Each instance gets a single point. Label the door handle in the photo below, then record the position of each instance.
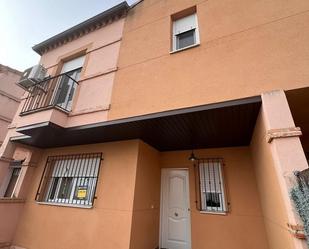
(176, 214)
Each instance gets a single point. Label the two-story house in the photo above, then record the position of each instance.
(166, 124)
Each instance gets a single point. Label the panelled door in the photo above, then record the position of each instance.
(175, 231)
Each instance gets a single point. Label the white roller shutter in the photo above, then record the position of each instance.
(73, 64)
(185, 24)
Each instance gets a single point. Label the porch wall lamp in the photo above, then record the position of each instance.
(192, 157)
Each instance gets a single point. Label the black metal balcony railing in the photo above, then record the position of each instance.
(57, 91)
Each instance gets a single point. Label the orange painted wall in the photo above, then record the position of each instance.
(9, 216)
(270, 193)
(126, 213)
(107, 225)
(243, 227)
(247, 47)
(11, 209)
(287, 153)
(146, 207)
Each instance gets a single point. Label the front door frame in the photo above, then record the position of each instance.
(189, 206)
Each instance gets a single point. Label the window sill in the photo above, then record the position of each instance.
(182, 49)
(11, 200)
(215, 213)
(64, 205)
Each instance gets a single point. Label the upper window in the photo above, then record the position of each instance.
(185, 32)
(211, 185)
(66, 85)
(70, 179)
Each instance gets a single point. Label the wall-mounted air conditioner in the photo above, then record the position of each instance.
(32, 76)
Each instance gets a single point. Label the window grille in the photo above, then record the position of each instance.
(70, 179)
(211, 195)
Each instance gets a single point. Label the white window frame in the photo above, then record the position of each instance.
(203, 190)
(175, 34)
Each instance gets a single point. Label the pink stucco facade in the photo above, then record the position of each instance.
(93, 97)
(10, 97)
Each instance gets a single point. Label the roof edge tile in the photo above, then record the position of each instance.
(82, 28)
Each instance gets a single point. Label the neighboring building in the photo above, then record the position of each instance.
(10, 97)
(98, 156)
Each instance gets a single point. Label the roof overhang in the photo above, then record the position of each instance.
(224, 124)
(83, 28)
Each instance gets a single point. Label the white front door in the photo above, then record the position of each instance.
(175, 232)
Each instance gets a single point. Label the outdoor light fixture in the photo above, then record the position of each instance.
(192, 157)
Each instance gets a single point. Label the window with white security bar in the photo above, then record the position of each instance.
(70, 179)
(210, 186)
(185, 32)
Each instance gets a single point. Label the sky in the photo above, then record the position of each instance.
(24, 23)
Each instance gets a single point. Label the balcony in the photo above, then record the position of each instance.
(53, 92)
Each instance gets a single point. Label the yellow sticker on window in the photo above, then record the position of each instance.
(81, 193)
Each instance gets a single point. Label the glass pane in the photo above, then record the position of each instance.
(63, 90)
(65, 188)
(66, 89)
(213, 200)
(54, 185)
(185, 39)
(12, 183)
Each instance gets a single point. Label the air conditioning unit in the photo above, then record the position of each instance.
(32, 76)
